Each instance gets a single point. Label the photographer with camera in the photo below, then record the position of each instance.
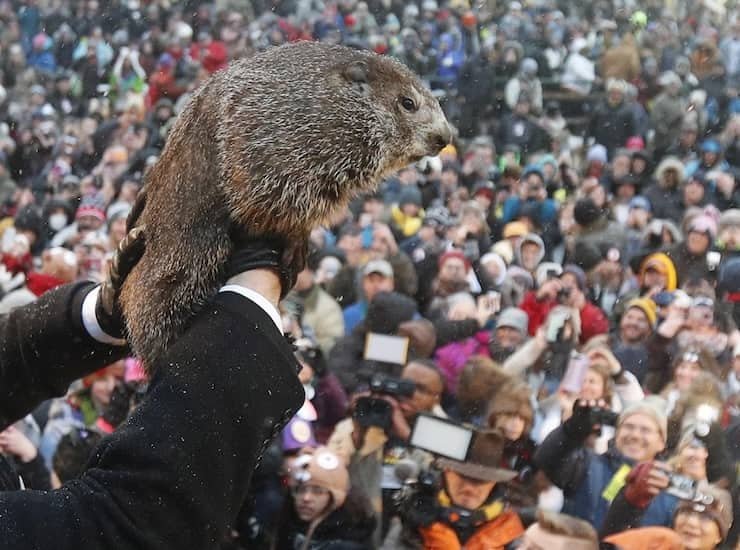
(566, 288)
(460, 504)
(702, 517)
(590, 481)
(375, 438)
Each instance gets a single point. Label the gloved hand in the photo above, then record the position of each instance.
(107, 309)
(287, 259)
(644, 482)
(580, 425)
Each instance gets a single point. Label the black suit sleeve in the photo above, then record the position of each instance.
(44, 347)
(177, 472)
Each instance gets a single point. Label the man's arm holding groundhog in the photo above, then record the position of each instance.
(176, 473)
(66, 334)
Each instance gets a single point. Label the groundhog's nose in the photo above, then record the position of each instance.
(441, 138)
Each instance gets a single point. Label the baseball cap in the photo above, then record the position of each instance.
(515, 318)
(378, 266)
(641, 203)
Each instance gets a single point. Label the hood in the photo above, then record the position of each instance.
(530, 238)
(666, 164)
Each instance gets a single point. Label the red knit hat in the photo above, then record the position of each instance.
(454, 254)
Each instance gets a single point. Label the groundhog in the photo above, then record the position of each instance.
(274, 144)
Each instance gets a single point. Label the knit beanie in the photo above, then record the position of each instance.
(454, 254)
(653, 407)
(647, 306)
(324, 469)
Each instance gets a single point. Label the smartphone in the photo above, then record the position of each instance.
(575, 374)
(495, 299)
(441, 437)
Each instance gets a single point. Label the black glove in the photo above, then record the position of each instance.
(287, 259)
(107, 309)
(580, 425)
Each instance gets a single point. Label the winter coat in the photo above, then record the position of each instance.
(579, 74)
(349, 527)
(688, 266)
(515, 129)
(611, 126)
(593, 320)
(590, 482)
(451, 358)
(177, 472)
(666, 117)
(324, 316)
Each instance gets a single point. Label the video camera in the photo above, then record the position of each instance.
(375, 411)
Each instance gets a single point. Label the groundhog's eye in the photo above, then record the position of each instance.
(408, 104)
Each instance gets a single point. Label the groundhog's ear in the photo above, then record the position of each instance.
(357, 74)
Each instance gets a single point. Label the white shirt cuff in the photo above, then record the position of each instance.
(90, 321)
(258, 299)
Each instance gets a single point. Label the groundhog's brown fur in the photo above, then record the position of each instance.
(274, 144)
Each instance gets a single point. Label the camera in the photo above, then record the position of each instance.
(682, 487)
(373, 411)
(604, 417)
(563, 295)
(395, 387)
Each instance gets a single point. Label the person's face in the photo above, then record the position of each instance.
(453, 270)
(530, 256)
(638, 438)
(102, 388)
(686, 372)
(654, 279)
(709, 158)
(614, 97)
(467, 492)
(311, 501)
(626, 191)
(428, 390)
(730, 236)
(688, 137)
(621, 166)
(634, 326)
(697, 243)
(374, 283)
(508, 337)
(522, 108)
(697, 531)
(638, 218)
(511, 425)
(692, 461)
(88, 223)
(571, 283)
(118, 229)
(598, 195)
(593, 386)
(693, 193)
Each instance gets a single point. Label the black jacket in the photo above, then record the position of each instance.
(176, 473)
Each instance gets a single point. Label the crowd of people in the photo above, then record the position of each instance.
(562, 283)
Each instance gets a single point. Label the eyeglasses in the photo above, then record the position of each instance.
(313, 490)
(421, 388)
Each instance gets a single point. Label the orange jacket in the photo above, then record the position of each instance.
(492, 535)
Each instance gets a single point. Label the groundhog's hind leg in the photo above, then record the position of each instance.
(168, 287)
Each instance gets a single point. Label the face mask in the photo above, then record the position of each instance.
(57, 221)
